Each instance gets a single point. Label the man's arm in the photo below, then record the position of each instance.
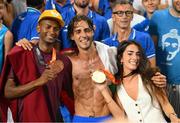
(13, 91)
(115, 110)
(153, 61)
(167, 108)
(25, 44)
(155, 39)
(8, 42)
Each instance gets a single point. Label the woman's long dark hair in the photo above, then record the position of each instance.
(144, 69)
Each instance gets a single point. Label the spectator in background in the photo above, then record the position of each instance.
(19, 6)
(60, 5)
(139, 9)
(102, 7)
(139, 22)
(81, 7)
(150, 7)
(165, 31)
(122, 17)
(6, 37)
(24, 25)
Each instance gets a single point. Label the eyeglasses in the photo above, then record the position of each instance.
(121, 13)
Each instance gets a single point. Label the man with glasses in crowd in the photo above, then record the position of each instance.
(122, 17)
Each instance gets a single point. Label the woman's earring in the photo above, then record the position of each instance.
(121, 63)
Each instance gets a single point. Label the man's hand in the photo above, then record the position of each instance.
(159, 80)
(51, 72)
(25, 44)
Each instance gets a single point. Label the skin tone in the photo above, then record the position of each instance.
(81, 6)
(175, 10)
(130, 60)
(122, 24)
(8, 39)
(8, 14)
(49, 30)
(86, 62)
(94, 4)
(150, 6)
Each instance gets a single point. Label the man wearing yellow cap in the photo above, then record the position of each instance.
(33, 80)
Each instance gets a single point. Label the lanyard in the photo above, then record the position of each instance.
(41, 59)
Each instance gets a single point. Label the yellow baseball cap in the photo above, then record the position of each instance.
(52, 14)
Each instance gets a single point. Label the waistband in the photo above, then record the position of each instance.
(77, 118)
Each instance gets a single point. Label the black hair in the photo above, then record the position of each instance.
(143, 62)
(34, 3)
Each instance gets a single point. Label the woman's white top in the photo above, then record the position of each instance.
(141, 110)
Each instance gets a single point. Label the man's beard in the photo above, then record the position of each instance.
(83, 5)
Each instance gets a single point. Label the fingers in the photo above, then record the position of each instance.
(25, 44)
(159, 80)
(49, 75)
(57, 66)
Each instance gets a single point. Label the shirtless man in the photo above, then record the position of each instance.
(88, 100)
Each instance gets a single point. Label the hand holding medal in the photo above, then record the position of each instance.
(55, 65)
(99, 76)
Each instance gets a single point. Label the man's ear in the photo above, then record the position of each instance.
(72, 37)
(38, 29)
(94, 27)
(113, 17)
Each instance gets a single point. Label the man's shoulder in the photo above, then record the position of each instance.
(65, 59)
(17, 50)
(98, 17)
(160, 13)
(142, 34)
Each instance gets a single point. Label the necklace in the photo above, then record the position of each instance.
(129, 74)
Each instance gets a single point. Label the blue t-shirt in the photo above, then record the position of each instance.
(167, 28)
(143, 26)
(101, 32)
(142, 38)
(24, 25)
(104, 6)
(3, 31)
(51, 4)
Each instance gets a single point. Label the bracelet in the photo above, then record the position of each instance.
(172, 114)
